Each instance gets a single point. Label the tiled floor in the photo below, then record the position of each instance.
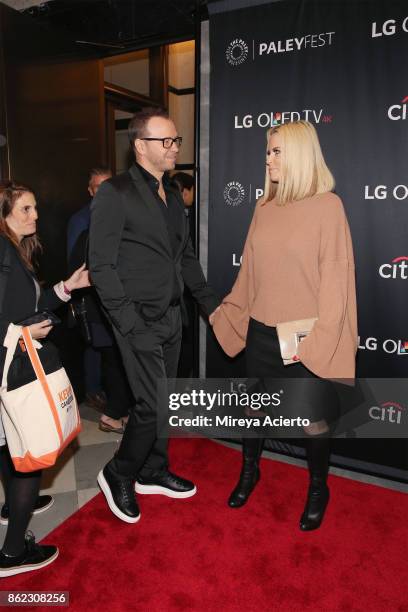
(72, 482)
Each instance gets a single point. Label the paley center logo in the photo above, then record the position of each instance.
(234, 193)
(397, 269)
(298, 43)
(398, 112)
(236, 52)
(390, 412)
(389, 346)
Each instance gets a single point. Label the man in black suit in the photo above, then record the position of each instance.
(140, 256)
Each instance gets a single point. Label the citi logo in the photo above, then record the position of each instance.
(388, 28)
(380, 192)
(398, 112)
(396, 269)
(389, 412)
(234, 193)
(236, 52)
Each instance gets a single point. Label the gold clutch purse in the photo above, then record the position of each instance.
(290, 334)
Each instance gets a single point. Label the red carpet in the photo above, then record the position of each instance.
(197, 554)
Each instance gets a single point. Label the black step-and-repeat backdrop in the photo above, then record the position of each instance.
(343, 66)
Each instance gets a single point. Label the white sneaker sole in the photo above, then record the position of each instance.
(109, 498)
(13, 571)
(157, 490)
(4, 521)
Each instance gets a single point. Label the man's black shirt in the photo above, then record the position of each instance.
(170, 215)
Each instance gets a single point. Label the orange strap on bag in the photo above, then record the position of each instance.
(40, 374)
(41, 417)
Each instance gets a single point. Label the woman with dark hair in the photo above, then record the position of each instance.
(297, 264)
(21, 297)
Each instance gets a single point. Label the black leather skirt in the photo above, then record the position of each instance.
(303, 394)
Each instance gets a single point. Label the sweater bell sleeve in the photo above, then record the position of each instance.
(331, 334)
(231, 320)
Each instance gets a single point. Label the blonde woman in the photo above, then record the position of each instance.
(297, 264)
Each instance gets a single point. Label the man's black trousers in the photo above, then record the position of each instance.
(149, 354)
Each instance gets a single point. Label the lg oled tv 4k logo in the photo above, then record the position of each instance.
(382, 192)
(237, 52)
(403, 348)
(234, 193)
(398, 112)
(397, 269)
(390, 346)
(270, 118)
(388, 28)
(236, 260)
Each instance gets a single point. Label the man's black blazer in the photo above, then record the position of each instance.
(19, 299)
(130, 255)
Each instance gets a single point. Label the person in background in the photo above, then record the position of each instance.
(185, 183)
(106, 385)
(297, 264)
(22, 296)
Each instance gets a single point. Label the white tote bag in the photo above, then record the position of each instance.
(40, 418)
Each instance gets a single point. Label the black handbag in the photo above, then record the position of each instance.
(78, 317)
(38, 317)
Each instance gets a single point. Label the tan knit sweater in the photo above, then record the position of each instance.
(297, 263)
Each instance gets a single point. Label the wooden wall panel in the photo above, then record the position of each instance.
(55, 126)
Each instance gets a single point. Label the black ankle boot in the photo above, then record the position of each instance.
(316, 503)
(318, 449)
(250, 474)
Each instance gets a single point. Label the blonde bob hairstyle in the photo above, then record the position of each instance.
(304, 172)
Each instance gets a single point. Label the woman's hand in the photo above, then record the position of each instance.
(211, 318)
(78, 280)
(40, 330)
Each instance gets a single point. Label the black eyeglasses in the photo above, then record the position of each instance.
(167, 142)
